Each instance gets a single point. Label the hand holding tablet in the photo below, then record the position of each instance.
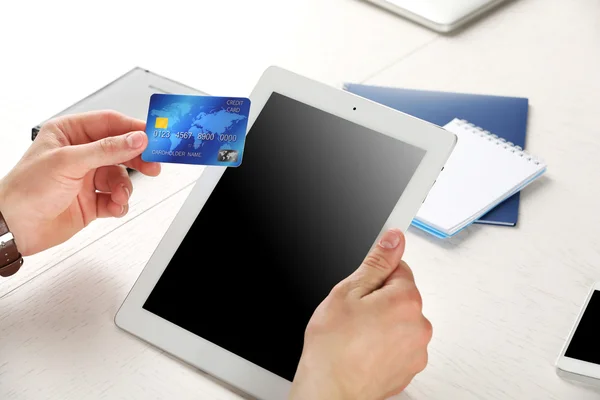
(368, 338)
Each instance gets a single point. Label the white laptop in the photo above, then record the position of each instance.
(439, 15)
(128, 94)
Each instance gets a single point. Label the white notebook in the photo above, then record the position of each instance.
(482, 171)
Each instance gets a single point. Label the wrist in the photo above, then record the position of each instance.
(314, 384)
(311, 390)
(11, 222)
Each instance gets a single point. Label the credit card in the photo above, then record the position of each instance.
(201, 130)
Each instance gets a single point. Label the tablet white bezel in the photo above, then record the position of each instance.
(215, 360)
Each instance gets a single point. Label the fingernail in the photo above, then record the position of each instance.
(122, 210)
(390, 240)
(135, 140)
(126, 191)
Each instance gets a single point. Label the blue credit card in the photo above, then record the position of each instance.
(202, 130)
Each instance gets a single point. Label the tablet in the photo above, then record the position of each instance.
(255, 249)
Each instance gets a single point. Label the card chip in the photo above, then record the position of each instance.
(161, 123)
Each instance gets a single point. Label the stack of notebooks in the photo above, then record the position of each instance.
(482, 178)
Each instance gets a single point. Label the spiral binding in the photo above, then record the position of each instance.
(518, 150)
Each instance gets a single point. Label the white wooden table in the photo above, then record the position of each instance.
(501, 300)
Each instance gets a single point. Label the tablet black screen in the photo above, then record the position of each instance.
(278, 232)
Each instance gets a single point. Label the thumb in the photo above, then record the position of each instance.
(379, 264)
(107, 151)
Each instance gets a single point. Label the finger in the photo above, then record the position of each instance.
(379, 264)
(114, 180)
(95, 125)
(400, 286)
(106, 207)
(401, 275)
(146, 168)
(82, 158)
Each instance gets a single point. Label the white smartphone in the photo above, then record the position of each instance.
(579, 359)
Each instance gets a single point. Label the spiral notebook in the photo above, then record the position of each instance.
(505, 116)
(482, 171)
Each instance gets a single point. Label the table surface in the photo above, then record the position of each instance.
(502, 300)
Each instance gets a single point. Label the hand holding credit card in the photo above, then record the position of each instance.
(201, 130)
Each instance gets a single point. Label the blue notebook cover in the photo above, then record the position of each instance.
(503, 116)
